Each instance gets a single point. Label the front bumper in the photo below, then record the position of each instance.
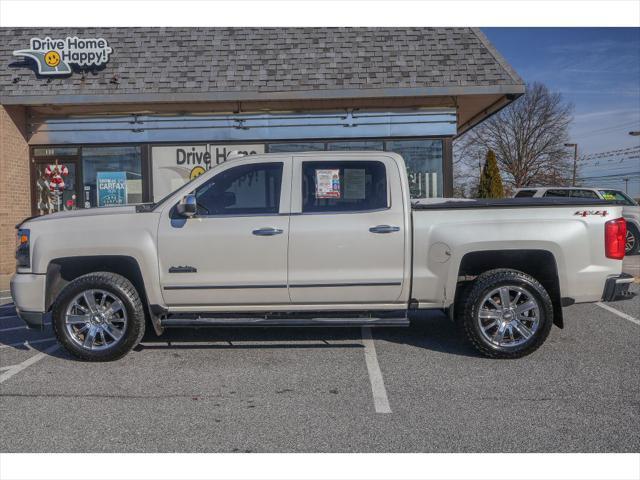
(28, 292)
(617, 288)
(32, 319)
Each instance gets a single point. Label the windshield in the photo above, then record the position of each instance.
(617, 196)
(155, 204)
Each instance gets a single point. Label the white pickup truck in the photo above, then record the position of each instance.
(324, 239)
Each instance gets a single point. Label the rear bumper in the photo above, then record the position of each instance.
(617, 288)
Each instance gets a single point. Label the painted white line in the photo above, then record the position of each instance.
(12, 328)
(26, 343)
(619, 313)
(27, 363)
(8, 367)
(380, 400)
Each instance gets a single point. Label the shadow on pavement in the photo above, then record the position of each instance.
(428, 330)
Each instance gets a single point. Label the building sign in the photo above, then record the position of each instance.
(112, 188)
(175, 165)
(56, 56)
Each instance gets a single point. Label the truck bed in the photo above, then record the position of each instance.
(452, 203)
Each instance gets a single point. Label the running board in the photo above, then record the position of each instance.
(288, 322)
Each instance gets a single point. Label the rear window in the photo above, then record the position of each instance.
(343, 186)
(525, 194)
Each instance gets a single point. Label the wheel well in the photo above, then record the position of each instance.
(540, 264)
(61, 271)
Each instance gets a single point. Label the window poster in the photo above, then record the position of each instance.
(354, 183)
(112, 188)
(328, 183)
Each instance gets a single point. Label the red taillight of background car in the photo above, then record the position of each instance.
(615, 234)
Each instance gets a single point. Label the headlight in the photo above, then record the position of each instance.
(22, 250)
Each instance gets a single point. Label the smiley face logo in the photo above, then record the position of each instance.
(196, 172)
(52, 58)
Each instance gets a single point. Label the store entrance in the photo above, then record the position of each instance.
(56, 184)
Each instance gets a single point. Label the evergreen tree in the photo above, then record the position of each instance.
(490, 180)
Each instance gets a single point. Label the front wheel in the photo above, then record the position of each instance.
(506, 314)
(99, 317)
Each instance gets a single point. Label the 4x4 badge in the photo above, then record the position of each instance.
(584, 213)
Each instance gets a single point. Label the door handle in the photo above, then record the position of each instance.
(384, 229)
(267, 231)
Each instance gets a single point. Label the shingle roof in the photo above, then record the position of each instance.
(261, 60)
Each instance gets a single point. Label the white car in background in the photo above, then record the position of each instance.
(630, 208)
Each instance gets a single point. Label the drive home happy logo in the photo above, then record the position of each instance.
(56, 56)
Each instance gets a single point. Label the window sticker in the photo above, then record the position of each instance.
(328, 183)
(608, 196)
(354, 183)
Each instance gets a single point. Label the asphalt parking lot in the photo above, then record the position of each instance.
(420, 389)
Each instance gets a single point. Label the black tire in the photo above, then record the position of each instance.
(483, 285)
(634, 249)
(120, 288)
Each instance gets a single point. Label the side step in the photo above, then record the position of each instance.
(285, 322)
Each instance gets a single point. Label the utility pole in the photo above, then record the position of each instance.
(575, 161)
(626, 184)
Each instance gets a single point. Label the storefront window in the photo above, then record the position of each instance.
(364, 145)
(424, 165)
(295, 147)
(111, 176)
(55, 186)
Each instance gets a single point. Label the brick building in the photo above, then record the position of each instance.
(156, 106)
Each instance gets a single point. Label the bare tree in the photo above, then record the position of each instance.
(528, 138)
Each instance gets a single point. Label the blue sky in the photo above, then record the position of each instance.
(596, 69)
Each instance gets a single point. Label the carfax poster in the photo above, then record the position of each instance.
(328, 183)
(112, 188)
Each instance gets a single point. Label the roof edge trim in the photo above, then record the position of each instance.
(116, 98)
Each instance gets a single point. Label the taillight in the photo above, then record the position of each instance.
(615, 234)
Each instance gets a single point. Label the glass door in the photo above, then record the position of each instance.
(56, 184)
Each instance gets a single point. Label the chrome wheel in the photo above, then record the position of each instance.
(630, 242)
(95, 319)
(508, 316)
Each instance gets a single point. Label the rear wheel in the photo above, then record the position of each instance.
(99, 317)
(506, 314)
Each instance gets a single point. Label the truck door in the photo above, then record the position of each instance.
(348, 238)
(234, 251)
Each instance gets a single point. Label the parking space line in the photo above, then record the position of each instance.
(26, 343)
(15, 369)
(12, 328)
(618, 313)
(380, 400)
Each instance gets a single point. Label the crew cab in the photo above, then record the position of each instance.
(630, 208)
(323, 239)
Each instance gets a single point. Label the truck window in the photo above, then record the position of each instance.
(241, 190)
(343, 186)
(556, 193)
(617, 196)
(525, 194)
(584, 194)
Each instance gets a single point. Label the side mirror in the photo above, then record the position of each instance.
(188, 206)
